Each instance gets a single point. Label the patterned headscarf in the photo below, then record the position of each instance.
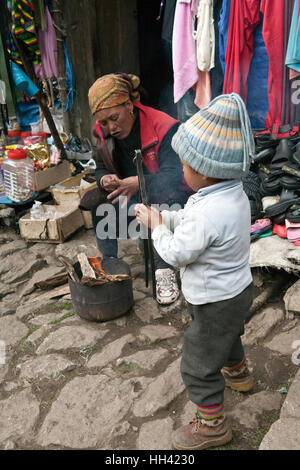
(113, 90)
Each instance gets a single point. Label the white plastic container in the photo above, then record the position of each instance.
(18, 172)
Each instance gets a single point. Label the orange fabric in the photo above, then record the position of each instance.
(113, 90)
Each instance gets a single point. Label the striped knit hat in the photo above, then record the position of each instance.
(217, 141)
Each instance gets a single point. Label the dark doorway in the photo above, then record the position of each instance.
(155, 53)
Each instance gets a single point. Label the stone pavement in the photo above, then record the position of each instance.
(66, 383)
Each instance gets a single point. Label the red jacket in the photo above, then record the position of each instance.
(154, 125)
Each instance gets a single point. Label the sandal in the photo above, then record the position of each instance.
(265, 155)
(293, 214)
(291, 169)
(281, 207)
(290, 182)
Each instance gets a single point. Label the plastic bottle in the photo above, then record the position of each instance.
(37, 212)
(18, 176)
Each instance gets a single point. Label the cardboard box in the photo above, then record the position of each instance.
(53, 175)
(69, 193)
(53, 230)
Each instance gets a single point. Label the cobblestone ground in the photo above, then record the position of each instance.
(67, 383)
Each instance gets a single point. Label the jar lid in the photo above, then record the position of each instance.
(16, 133)
(17, 154)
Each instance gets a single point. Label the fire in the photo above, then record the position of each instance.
(95, 262)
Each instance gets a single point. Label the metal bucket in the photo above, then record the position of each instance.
(105, 302)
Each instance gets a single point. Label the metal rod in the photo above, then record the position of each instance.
(148, 248)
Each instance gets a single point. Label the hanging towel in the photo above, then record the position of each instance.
(205, 36)
(48, 48)
(184, 49)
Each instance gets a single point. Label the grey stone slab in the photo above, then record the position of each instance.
(12, 330)
(147, 310)
(160, 392)
(283, 342)
(248, 412)
(291, 405)
(110, 352)
(45, 367)
(71, 337)
(145, 359)
(12, 247)
(86, 412)
(283, 435)
(18, 415)
(262, 324)
(292, 298)
(156, 435)
(156, 333)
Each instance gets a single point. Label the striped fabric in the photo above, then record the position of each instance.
(217, 141)
(210, 412)
(236, 367)
(22, 15)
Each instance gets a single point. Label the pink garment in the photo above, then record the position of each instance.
(184, 50)
(48, 47)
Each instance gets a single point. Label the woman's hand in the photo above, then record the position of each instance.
(148, 216)
(110, 182)
(127, 188)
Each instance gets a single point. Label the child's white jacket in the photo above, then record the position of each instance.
(210, 241)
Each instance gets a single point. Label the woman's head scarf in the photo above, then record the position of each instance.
(113, 90)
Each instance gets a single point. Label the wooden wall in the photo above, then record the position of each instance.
(102, 37)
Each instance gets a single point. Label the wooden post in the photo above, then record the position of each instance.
(40, 97)
(60, 36)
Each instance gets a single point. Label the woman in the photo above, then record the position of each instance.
(124, 125)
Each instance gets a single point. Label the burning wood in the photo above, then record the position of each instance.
(93, 273)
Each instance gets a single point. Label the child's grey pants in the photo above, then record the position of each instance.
(211, 342)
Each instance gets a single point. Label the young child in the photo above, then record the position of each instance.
(210, 240)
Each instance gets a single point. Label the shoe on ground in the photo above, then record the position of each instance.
(167, 290)
(240, 380)
(198, 436)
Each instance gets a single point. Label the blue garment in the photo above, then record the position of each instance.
(257, 99)
(223, 30)
(292, 59)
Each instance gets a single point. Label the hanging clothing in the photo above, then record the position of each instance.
(287, 107)
(183, 49)
(273, 33)
(48, 47)
(292, 59)
(205, 36)
(223, 31)
(244, 17)
(22, 15)
(216, 74)
(257, 98)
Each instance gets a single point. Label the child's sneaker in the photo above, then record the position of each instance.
(239, 379)
(166, 286)
(198, 435)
